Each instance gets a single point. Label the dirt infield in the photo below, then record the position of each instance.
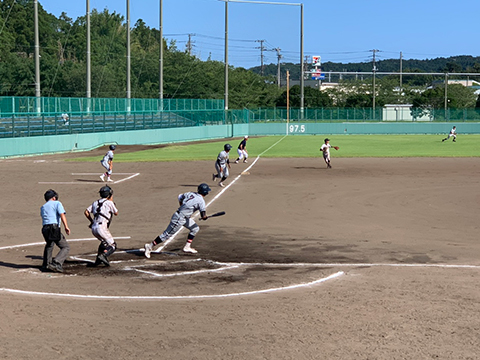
(373, 259)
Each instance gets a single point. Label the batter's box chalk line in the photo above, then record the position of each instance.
(223, 266)
(128, 176)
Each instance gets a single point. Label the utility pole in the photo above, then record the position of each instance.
(37, 57)
(401, 69)
(279, 56)
(190, 44)
(374, 51)
(129, 90)
(262, 49)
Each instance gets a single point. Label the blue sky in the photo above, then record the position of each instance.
(339, 31)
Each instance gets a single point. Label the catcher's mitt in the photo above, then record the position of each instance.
(336, 147)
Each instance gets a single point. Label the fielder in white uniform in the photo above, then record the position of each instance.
(325, 148)
(242, 150)
(100, 215)
(222, 165)
(452, 133)
(190, 202)
(107, 163)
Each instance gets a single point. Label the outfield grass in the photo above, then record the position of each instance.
(308, 146)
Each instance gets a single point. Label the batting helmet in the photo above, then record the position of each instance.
(112, 147)
(49, 194)
(203, 189)
(105, 191)
(227, 147)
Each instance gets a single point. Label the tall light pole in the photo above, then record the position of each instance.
(161, 55)
(374, 70)
(226, 56)
(129, 90)
(37, 57)
(89, 64)
(302, 80)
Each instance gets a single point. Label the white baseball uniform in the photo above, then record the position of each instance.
(326, 151)
(102, 211)
(108, 157)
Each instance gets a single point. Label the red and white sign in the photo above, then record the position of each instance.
(316, 60)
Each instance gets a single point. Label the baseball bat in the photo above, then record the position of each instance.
(220, 213)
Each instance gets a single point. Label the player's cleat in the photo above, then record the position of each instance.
(55, 267)
(245, 160)
(443, 140)
(102, 177)
(214, 177)
(236, 161)
(103, 259)
(148, 249)
(189, 249)
(221, 184)
(454, 140)
(108, 179)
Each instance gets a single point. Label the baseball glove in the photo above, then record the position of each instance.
(336, 147)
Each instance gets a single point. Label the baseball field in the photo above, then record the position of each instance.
(376, 258)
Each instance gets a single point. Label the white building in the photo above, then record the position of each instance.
(401, 112)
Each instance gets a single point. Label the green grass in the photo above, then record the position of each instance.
(308, 146)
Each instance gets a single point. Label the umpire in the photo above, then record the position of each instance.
(53, 214)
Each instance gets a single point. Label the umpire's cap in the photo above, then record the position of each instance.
(105, 191)
(49, 194)
(203, 189)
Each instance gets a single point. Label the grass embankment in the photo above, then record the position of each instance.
(308, 146)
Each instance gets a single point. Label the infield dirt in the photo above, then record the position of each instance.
(403, 231)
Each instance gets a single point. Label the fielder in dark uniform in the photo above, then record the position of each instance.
(242, 150)
(53, 214)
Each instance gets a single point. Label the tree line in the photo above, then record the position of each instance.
(63, 67)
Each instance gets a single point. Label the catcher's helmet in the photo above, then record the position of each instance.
(105, 191)
(49, 194)
(112, 147)
(203, 189)
(227, 147)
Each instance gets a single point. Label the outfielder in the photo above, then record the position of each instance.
(453, 133)
(242, 151)
(100, 215)
(222, 165)
(326, 152)
(107, 163)
(189, 203)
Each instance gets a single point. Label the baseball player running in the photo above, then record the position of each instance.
(242, 151)
(107, 163)
(222, 165)
(189, 203)
(100, 215)
(453, 133)
(326, 152)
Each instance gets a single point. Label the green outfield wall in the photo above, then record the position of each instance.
(22, 146)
